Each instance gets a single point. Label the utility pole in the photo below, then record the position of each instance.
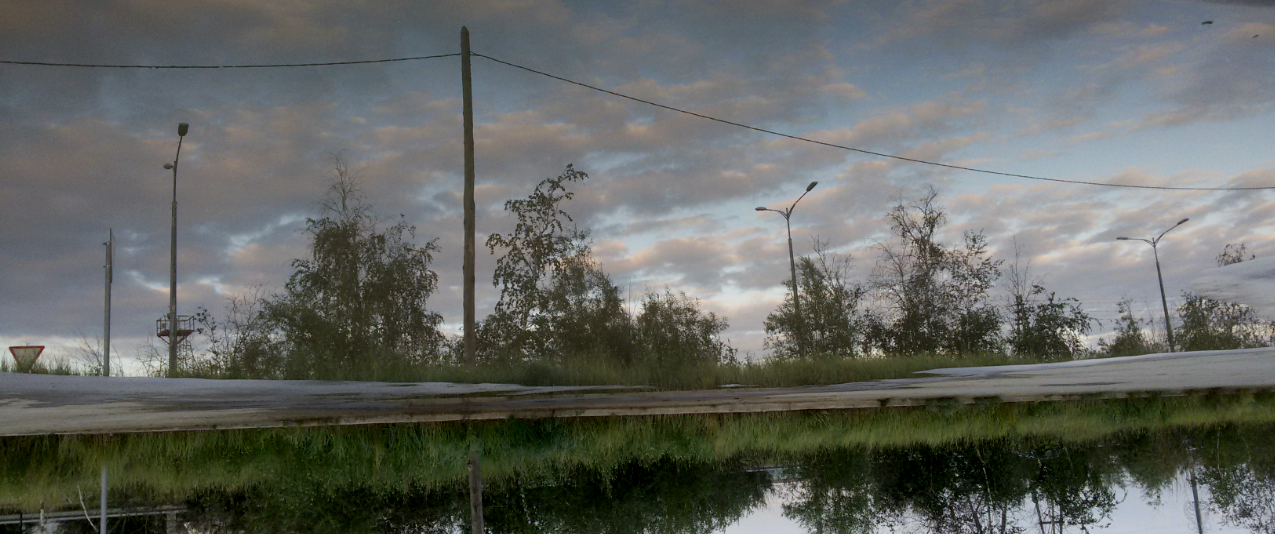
(172, 272)
(475, 493)
(106, 321)
(471, 340)
(1195, 494)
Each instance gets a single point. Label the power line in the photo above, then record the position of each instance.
(869, 152)
(635, 99)
(262, 66)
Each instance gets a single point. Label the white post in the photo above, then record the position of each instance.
(106, 321)
(102, 508)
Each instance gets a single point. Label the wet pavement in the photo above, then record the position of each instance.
(45, 404)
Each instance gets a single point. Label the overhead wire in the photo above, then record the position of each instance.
(870, 152)
(258, 66)
(650, 103)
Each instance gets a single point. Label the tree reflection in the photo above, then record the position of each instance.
(1238, 466)
(972, 488)
(835, 493)
(1005, 486)
(1074, 485)
(662, 497)
(994, 486)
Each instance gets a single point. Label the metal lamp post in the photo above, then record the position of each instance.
(182, 128)
(1168, 329)
(792, 262)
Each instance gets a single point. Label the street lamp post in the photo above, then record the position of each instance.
(182, 128)
(1168, 329)
(792, 262)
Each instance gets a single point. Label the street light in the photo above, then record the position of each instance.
(1168, 329)
(792, 262)
(172, 271)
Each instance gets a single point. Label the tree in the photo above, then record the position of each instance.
(357, 305)
(1209, 324)
(830, 321)
(1232, 254)
(555, 300)
(934, 298)
(673, 331)
(583, 313)
(538, 248)
(1129, 340)
(243, 344)
(1052, 328)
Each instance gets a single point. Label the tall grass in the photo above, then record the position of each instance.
(46, 366)
(169, 466)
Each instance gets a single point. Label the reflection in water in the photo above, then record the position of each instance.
(977, 487)
(1002, 486)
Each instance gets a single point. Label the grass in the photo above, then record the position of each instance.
(46, 366)
(169, 466)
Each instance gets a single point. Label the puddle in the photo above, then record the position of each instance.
(904, 471)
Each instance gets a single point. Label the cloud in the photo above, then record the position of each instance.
(1231, 79)
(1255, 3)
(670, 196)
(963, 23)
(1053, 125)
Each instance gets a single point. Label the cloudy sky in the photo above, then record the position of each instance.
(1122, 92)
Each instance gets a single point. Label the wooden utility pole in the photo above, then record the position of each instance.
(106, 319)
(475, 493)
(467, 91)
(1195, 495)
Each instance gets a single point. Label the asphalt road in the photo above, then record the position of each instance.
(44, 404)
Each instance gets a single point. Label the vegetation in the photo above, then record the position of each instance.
(357, 308)
(290, 468)
(932, 299)
(43, 366)
(1130, 339)
(1207, 324)
(359, 301)
(1005, 484)
(831, 323)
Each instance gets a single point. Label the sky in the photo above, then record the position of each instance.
(1120, 92)
(1135, 513)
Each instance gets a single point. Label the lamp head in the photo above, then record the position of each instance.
(760, 208)
(168, 165)
(811, 186)
(182, 129)
(1122, 239)
(1185, 219)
